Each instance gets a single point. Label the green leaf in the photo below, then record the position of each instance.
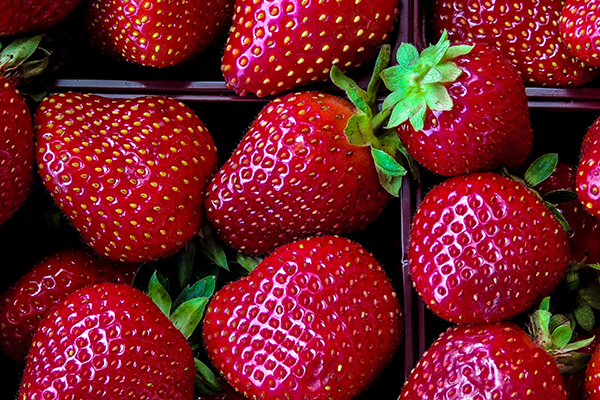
(397, 79)
(248, 262)
(211, 246)
(559, 217)
(204, 287)
(561, 336)
(354, 92)
(579, 344)
(584, 315)
(407, 55)
(19, 50)
(437, 98)
(572, 363)
(413, 165)
(411, 109)
(188, 315)
(389, 170)
(417, 119)
(185, 263)
(591, 294)
(545, 304)
(571, 280)
(381, 63)
(206, 381)
(559, 196)
(432, 55)
(457, 51)
(359, 131)
(433, 76)
(159, 294)
(450, 72)
(540, 169)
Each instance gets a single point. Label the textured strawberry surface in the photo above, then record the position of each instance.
(498, 361)
(526, 31)
(34, 295)
(483, 248)
(108, 341)
(316, 319)
(294, 175)
(588, 180)
(488, 125)
(16, 150)
(579, 29)
(129, 173)
(156, 33)
(274, 46)
(18, 17)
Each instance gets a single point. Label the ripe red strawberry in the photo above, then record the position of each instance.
(526, 31)
(18, 17)
(129, 173)
(29, 299)
(17, 160)
(592, 377)
(108, 341)
(498, 361)
(276, 46)
(584, 240)
(578, 27)
(316, 319)
(588, 180)
(484, 247)
(459, 109)
(156, 33)
(591, 137)
(294, 175)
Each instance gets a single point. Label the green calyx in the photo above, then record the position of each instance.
(418, 82)
(23, 60)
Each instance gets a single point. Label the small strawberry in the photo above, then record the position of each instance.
(108, 341)
(458, 109)
(317, 319)
(274, 46)
(156, 33)
(484, 247)
(29, 299)
(293, 175)
(526, 31)
(19, 17)
(129, 173)
(579, 30)
(495, 361)
(584, 238)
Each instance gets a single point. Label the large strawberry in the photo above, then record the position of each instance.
(579, 30)
(29, 299)
(525, 30)
(18, 17)
(156, 33)
(497, 361)
(293, 175)
(129, 173)
(317, 319)
(274, 46)
(458, 109)
(588, 171)
(108, 341)
(484, 247)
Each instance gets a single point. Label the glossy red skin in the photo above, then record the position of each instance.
(488, 125)
(133, 184)
(588, 181)
(23, 16)
(591, 387)
(483, 248)
(28, 300)
(316, 319)
(108, 341)
(590, 139)
(278, 45)
(294, 175)
(584, 241)
(187, 27)
(17, 159)
(538, 52)
(579, 30)
(497, 361)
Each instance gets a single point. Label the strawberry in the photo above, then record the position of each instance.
(490, 361)
(590, 139)
(592, 377)
(588, 182)
(525, 30)
(108, 341)
(484, 247)
(458, 109)
(276, 46)
(316, 319)
(578, 27)
(29, 299)
(19, 17)
(293, 175)
(584, 238)
(156, 33)
(129, 173)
